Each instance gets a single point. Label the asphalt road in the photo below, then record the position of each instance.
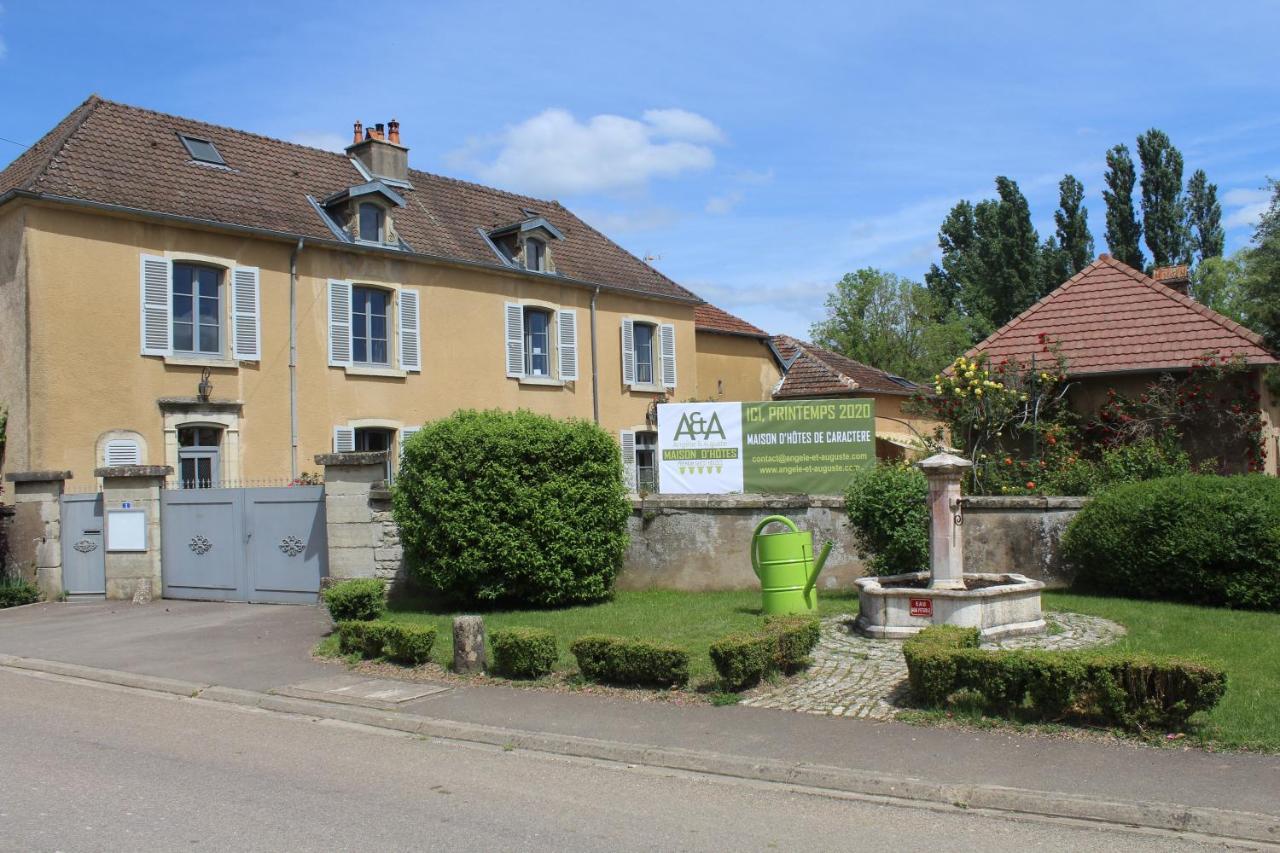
(96, 768)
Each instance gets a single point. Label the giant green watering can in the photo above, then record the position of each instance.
(785, 565)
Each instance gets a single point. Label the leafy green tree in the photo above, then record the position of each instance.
(1072, 221)
(958, 239)
(991, 267)
(1163, 209)
(1009, 253)
(1123, 231)
(1204, 218)
(1222, 284)
(889, 322)
(1262, 267)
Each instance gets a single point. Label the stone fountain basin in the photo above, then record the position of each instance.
(1001, 605)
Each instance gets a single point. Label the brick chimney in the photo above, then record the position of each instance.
(380, 151)
(1176, 277)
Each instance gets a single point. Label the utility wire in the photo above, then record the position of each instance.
(14, 142)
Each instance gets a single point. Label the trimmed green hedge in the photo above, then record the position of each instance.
(405, 644)
(783, 644)
(742, 660)
(513, 508)
(523, 652)
(15, 592)
(359, 599)
(1129, 690)
(1204, 539)
(623, 660)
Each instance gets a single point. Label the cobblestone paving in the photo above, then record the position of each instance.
(855, 676)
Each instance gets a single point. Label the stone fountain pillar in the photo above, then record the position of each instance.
(946, 538)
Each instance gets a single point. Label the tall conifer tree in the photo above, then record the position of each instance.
(1123, 232)
(1163, 209)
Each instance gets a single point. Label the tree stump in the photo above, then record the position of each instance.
(468, 644)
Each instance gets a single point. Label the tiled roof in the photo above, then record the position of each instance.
(110, 153)
(709, 318)
(818, 372)
(1110, 318)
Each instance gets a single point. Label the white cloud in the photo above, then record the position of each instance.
(553, 153)
(322, 139)
(1249, 206)
(722, 204)
(682, 124)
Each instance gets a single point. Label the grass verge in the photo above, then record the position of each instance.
(1246, 643)
(692, 620)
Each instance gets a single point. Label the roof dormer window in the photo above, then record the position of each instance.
(373, 223)
(202, 150)
(535, 255)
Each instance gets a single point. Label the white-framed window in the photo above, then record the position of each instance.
(648, 354)
(184, 309)
(370, 307)
(541, 342)
(199, 456)
(197, 309)
(373, 326)
(647, 461)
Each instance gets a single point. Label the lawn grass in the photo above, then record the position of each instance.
(1247, 644)
(691, 620)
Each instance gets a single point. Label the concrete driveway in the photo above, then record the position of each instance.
(251, 646)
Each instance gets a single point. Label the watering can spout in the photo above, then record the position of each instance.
(817, 566)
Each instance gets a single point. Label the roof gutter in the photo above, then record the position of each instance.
(288, 236)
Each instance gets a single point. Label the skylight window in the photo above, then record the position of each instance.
(202, 150)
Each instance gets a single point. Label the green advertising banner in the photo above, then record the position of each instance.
(797, 447)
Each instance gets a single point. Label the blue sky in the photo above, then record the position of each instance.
(756, 152)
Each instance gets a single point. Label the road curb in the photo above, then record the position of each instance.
(1221, 823)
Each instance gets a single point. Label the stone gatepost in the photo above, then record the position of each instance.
(349, 478)
(946, 538)
(35, 533)
(136, 574)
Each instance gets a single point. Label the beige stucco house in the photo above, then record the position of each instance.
(178, 293)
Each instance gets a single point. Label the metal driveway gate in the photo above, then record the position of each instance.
(259, 544)
(84, 565)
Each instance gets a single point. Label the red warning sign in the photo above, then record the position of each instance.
(922, 607)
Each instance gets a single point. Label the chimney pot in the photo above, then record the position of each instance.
(393, 131)
(358, 133)
(1175, 277)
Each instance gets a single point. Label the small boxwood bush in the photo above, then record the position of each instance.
(1129, 690)
(741, 660)
(406, 644)
(1199, 538)
(888, 508)
(623, 660)
(513, 508)
(794, 638)
(523, 652)
(360, 599)
(15, 592)
(409, 644)
(783, 644)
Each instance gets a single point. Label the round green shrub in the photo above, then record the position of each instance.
(513, 508)
(358, 600)
(1199, 538)
(523, 652)
(888, 508)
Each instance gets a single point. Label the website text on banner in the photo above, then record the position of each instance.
(796, 447)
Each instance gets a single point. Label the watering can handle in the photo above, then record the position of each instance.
(780, 519)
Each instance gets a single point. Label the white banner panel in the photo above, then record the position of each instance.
(700, 447)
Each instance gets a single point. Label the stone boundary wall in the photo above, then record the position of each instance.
(1019, 534)
(703, 542)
